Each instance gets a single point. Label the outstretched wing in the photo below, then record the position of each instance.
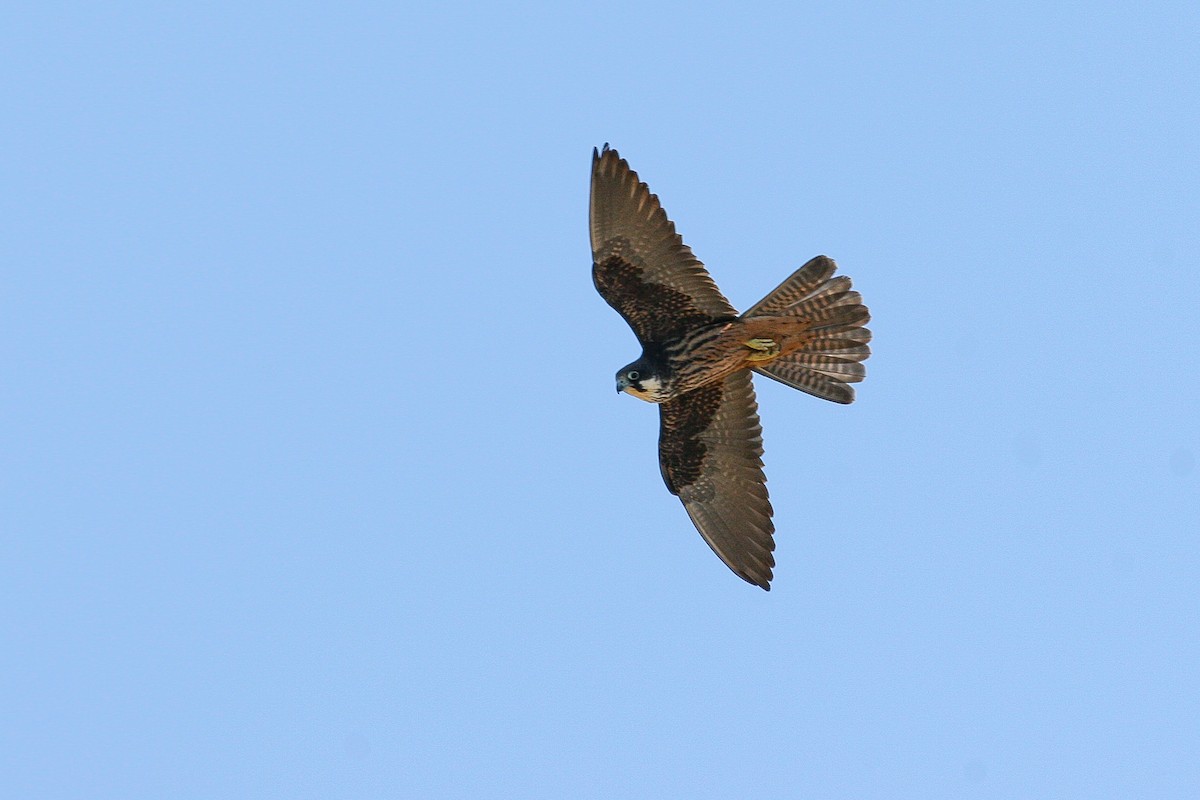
(640, 264)
(710, 451)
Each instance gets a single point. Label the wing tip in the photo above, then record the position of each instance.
(761, 581)
(606, 161)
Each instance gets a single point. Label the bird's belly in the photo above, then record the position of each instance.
(708, 356)
(711, 354)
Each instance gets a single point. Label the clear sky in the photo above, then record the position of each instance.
(313, 483)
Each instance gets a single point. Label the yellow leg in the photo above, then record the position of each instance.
(764, 349)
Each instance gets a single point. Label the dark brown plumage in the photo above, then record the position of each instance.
(697, 354)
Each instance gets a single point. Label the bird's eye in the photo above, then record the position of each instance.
(633, 375)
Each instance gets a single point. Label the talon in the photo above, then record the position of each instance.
(765, 349)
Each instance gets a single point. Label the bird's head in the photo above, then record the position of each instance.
(641, 380)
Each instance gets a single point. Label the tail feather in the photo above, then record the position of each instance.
(854, 351)
(842, 369)
(836, 343)
(834, 293)
(806, 380)
(838, 316)
(799, 285)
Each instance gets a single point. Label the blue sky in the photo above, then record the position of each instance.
(313, 483)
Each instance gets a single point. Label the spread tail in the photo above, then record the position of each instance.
(835, 341)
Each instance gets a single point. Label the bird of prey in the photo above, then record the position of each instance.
(698, 353)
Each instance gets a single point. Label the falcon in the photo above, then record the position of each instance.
(698, 354)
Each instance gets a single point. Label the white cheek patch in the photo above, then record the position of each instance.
(652, 391)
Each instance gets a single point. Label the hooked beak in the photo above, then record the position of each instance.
(622, 384)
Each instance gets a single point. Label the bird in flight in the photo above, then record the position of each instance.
(698, 353)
